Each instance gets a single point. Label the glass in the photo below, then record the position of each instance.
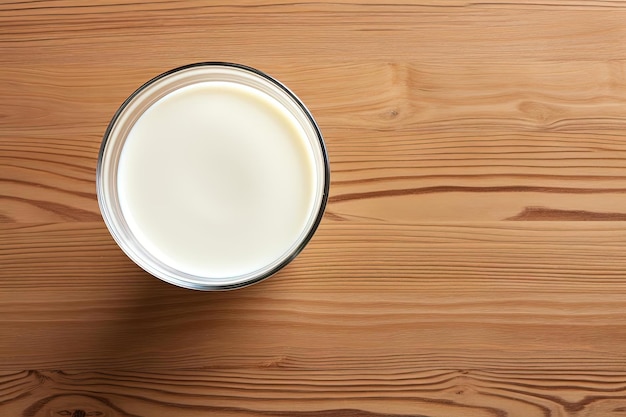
(132, 109)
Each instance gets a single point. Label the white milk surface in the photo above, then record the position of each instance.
(217, 179)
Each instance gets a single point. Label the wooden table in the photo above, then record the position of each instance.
(471, 262)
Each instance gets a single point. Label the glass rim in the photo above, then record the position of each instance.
(308, 231)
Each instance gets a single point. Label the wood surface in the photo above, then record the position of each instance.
(471, 262)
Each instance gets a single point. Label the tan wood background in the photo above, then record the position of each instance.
(472, 260)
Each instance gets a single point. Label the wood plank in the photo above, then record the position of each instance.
(454, 31)
(432, 137)
(271, 391)
(465, 291)
(400, 96)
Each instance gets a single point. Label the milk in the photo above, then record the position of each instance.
(217, 179)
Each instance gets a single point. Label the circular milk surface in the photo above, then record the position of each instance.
(217, 180)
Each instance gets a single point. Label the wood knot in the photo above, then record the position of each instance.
(391, 114)
(540, 112)
(79, 413)
(74, 405)
(276, 362)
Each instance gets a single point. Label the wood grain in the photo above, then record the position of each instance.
(272, 392)
(471, 260)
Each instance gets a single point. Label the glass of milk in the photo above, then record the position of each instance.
(212, 176)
